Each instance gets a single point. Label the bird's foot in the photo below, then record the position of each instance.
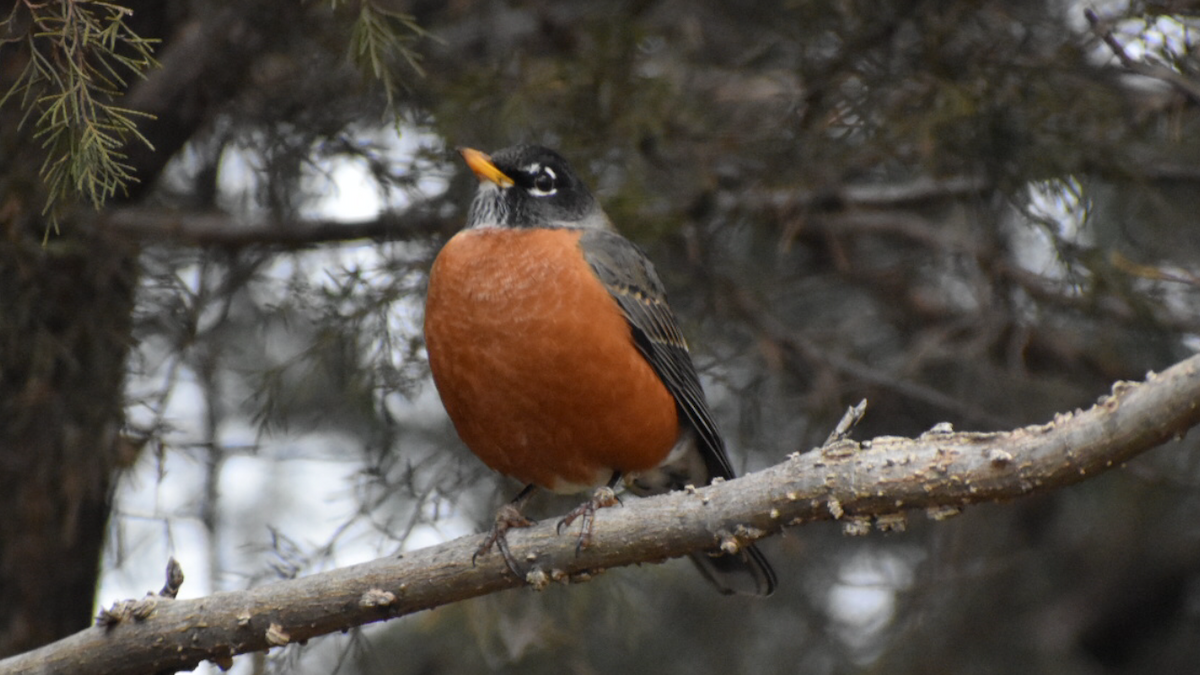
(602, 498)
(507, 517)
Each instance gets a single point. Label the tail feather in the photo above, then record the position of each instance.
(746, 572)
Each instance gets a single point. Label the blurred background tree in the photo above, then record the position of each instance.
(970, 212)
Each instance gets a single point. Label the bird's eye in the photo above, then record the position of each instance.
(544, 183)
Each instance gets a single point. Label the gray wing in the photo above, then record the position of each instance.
(630, 278)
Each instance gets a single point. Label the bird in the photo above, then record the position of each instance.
(559, 360)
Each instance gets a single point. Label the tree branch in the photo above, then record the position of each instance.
(921, 190)
(754, 314)
(215, 228)
(863, 484)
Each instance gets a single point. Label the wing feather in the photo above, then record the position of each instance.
(632, 281)
(630, 278)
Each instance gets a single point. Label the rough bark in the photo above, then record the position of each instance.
(64, 333)
(863, 484)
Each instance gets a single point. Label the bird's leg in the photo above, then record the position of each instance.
(603, 497)
(507, 517)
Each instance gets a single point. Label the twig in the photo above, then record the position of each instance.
(1174, 78)
(853, 416)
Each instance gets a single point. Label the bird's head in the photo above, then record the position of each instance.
(530, 186)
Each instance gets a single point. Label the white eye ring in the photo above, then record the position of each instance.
(544, 180)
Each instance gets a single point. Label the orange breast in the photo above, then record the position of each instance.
(535, 362)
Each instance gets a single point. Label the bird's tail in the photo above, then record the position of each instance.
(746, 572)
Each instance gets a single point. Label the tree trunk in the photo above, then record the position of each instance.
(64, 337)
(66, 303)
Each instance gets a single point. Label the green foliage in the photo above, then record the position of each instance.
(380, 38)
(80, 55)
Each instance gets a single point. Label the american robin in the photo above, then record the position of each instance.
(557, 356)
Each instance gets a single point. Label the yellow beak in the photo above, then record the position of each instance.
(481, 165)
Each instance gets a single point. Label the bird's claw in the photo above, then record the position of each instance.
(507, 517)
(604, 497)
